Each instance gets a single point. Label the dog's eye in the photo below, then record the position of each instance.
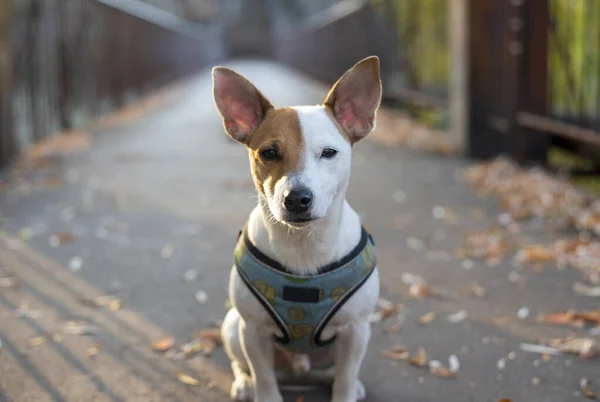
(268, 154)
(328, 153)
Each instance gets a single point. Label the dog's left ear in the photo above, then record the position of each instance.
(355, 97)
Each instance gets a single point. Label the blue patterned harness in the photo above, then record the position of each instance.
(301, 306)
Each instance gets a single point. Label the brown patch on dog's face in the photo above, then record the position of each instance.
(280, 131)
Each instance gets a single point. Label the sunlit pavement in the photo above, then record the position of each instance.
(154, 207)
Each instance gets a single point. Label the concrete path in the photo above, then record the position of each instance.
(155, 206)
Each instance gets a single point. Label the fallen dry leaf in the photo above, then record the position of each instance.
(74, 327)
(586, 389)
(206, 347)
(115, 305)
(419, 359)
(94, 350)
(162, 345)
(385, 309)
(585, 290)
(574, 318)
(61, 238)
(457, 317)
(586, 348)
(427, 318)
(535, 254)
(212, 335)
(396, 353)
(489, 245)
(186, 379)
(436, 368)
(478, 290)
(37, 341)
(100, 301)
(541, 349)
(419, 290)
(565, 318)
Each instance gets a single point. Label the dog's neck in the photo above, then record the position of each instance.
(305, 249)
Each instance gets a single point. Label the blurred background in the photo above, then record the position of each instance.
(121, 197)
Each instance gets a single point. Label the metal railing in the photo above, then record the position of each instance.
(74, 60)
(409, 36)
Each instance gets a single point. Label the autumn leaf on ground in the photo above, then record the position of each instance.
(436, 368)
(577, 319)
(585, 290)
(386, 308)
(115, 305)
(457, 317)
(489, 244)
(186, 379)
(94, 350)
(212, 335)
(61, 238)
(396, 353)
(586, 389)
(565, 318)
(477, 290)
(196, 346)
(419, 290)
(536, 253)
(427, 318)
(37, 341)
(74, 327)
(586, 348)
(419, 359)
(162, 345)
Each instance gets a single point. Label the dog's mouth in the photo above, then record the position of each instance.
(298, 221)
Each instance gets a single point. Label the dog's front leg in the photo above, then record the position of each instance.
(259, 351)
(351, 344)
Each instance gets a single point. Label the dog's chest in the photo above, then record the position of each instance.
(356, 309)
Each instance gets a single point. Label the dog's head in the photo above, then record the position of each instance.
(300, 156)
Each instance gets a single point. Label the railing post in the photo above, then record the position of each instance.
(8, 146)
(507, 74)
(529, 145)
(459, 71)
(483, 56)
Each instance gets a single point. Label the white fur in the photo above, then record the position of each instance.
(248, 329)
(326, 178)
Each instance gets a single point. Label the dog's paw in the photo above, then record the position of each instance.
(361, 392)
(242, 389)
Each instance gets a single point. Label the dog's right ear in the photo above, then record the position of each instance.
(241, 105)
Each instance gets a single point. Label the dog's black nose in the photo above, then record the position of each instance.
(298, 200)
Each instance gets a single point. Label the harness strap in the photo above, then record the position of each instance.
(302, 306)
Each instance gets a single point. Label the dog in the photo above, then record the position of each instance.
(305, 278)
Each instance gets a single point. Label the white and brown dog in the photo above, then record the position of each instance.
(305, 279)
